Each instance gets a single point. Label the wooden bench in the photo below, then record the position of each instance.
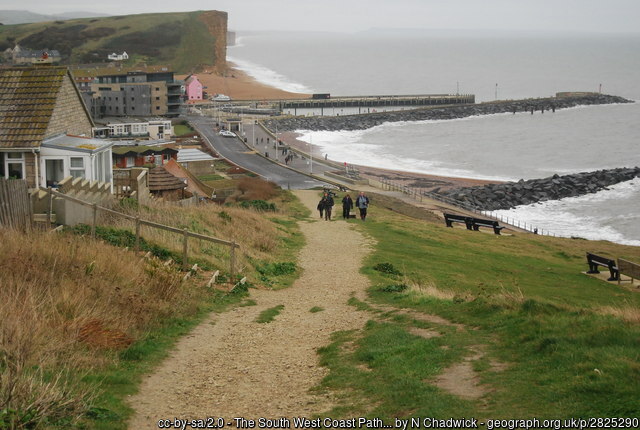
(471, 222)
(449, 219)
(627, 268)
(595, 260)
(477, 223)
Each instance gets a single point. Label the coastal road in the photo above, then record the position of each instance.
(237, 152)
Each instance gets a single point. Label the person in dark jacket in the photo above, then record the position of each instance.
(362, 203)
(347, 205)
(321, 206)
(327, 204)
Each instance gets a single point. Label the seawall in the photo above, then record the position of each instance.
(364, 121)
(511, 194)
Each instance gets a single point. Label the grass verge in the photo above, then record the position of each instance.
(269, 315)
(551, 344)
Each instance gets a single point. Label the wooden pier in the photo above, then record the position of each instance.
(378, 101)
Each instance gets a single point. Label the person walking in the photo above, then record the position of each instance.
(362, 203)
(327, 203)
(347, 205)
(321, 206)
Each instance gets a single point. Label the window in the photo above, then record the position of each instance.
(157, 98)
(14, 165)
(76, 167)
(157, 88)
(157, 107)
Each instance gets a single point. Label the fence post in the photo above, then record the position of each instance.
(95, 220)
(185, 250)
(232, 257)
(50, 207)
(137, 248)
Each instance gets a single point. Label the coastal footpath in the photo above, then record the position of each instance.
(365, 121)
(511, 194)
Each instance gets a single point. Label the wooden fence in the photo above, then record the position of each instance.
(418, 194)
(15, 205)
(186, 234)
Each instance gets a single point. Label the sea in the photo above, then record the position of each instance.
(490, 65)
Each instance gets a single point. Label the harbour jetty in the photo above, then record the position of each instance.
(511, 194)
(324, 101)
(368, 120)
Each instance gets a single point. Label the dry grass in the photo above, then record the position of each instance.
(628, 313)
(428, 288)
(62, 299)
(258, 237)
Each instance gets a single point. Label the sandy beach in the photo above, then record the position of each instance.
(410, 179)
(240, 86)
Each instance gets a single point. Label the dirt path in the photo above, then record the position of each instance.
(230, 366)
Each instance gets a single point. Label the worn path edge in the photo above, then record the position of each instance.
(230, 366)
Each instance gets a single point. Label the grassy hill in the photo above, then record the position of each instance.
(81, 321)
(184, 41)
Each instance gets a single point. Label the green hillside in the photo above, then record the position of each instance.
(181, 40)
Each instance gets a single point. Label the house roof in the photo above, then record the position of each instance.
(191, 154)
(142, 150)
(77, 143)
(28, 97)
(161, 180)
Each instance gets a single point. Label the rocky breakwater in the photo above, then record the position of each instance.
(511, 194)
(364, 121)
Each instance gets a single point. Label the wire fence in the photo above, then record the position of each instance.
(419, 194)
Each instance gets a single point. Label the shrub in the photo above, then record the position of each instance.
(387, 268)
(395, 288)
(259, 205)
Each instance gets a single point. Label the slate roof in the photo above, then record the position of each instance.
(27, 99)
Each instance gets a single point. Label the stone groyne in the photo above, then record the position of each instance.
(364, 121)
(511, 194)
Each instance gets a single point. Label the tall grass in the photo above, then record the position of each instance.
(62, 300)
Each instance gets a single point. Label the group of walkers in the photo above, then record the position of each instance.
(326, 203)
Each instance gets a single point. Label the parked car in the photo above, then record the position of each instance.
(227, 133)
(221, 98)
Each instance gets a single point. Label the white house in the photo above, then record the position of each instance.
(118, 57)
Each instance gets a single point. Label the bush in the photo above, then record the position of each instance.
(387, 268)
(395, 288)
(277, 269)
(259, 205)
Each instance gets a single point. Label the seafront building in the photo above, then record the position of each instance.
(113, 91)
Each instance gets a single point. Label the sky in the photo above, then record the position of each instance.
(610, 16)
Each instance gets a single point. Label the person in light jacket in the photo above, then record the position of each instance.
(362, 203)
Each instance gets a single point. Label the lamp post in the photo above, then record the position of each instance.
(311, 153)
(276, 141)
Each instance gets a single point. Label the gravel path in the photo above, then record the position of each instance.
(230, 366)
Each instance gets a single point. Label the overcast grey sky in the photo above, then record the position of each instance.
(355, 15)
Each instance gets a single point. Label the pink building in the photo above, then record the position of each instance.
(193, 88)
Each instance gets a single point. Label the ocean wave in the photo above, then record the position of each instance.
(269, 77)
(351, 147)
(594, 216)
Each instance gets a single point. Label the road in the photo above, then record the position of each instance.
(237, 152)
